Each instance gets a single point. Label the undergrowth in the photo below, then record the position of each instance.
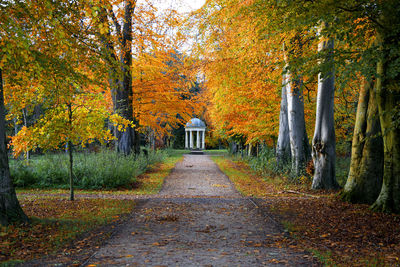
(103, 170)
(265, 164)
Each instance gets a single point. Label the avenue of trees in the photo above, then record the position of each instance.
(290, 74)
(306, 77)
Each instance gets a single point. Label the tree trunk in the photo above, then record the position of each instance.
(121, 89)
(388, 99)
(10, 210)
(25, 116)
(366, 169)
(126, 138)
(324, 143)
(70, 171)
(283, 146)
(233, 148)
(300, 150)
(71, 159)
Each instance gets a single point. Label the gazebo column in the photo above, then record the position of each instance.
(186, 139)
(203, 144)
(191, 138)
(198, 139)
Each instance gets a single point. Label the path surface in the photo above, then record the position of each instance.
(199, 219)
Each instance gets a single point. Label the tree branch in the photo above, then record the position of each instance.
(116, 24)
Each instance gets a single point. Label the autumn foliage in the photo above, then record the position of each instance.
(57, 77)
(243, 46)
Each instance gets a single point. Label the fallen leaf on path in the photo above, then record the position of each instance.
(219, 185)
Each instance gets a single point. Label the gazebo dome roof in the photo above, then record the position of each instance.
(195, 123)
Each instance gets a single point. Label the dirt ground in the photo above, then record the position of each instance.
(197, 219)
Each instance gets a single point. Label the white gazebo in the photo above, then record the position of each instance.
(198, 128)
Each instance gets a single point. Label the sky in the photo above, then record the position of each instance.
(182, 6)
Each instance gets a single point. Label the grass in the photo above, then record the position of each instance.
(245, 180)
(103, 170)
(54, 223)
(147, 183)
(218, 152)
(252, 183)
(265, 165)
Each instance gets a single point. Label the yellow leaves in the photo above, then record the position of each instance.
(219, 185)
(54, 129)
(120, 122)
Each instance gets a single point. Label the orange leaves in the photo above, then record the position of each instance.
(242, 72)
(348, 234)
(23, 141)
(161, 87)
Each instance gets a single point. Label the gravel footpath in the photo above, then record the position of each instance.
(198, 219)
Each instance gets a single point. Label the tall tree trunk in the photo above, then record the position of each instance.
(300, 150)
(10, 210)
(366, 169)
(283, 145)
(388, 99)
(324, 143)
(126, 138)
(121, 88)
